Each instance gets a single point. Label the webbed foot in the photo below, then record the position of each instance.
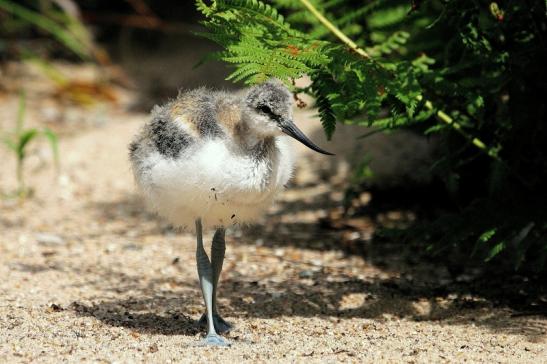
(221, 326)
(214, 340)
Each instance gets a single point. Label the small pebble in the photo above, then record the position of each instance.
(49, 239)
(54, 308)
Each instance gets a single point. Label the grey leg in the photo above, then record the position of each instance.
(218, 248)
(205, 273)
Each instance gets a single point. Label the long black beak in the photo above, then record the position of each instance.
(288, 127)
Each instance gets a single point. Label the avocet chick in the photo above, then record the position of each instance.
(213, 159)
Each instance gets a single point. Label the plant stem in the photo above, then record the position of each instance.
(330, 26)
(20, 177)
(444, 117)
(440, 114)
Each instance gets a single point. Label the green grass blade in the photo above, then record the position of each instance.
(24, 138)
(21, 112)
(484, 238)
(48, 25)
(495, 250)
(54, 142)
(44, 66)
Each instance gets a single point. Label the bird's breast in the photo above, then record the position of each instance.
(209, 179)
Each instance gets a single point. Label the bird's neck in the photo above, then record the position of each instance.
(249, 140)
(255, 145)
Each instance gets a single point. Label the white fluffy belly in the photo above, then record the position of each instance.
(210, 182)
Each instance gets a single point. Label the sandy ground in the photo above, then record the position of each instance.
(89, 276)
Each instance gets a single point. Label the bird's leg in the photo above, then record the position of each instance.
(218, 248)
(205, 273)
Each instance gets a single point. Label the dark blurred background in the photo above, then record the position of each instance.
(154, 43)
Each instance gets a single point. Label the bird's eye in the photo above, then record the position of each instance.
(265, 109)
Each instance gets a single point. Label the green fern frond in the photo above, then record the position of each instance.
(359, 13)
(393, 43)
(254, 7)
(387, 16)
(328, 119)
(323, 89)
(250, 73)
(204, 8)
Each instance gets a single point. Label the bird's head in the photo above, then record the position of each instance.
(269, 113)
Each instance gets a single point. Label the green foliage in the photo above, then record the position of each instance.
(489, 230)
(261, 44)
(468, 72)
(18, 141)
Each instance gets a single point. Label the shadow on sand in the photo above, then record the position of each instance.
(416, 288)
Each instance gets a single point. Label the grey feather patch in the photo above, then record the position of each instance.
(168, 139)
(133, 148)
(264, 151)
(206, 118)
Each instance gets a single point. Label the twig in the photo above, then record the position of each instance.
(330, 26)
(296, 262)
(371, 133)
(444, 117)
